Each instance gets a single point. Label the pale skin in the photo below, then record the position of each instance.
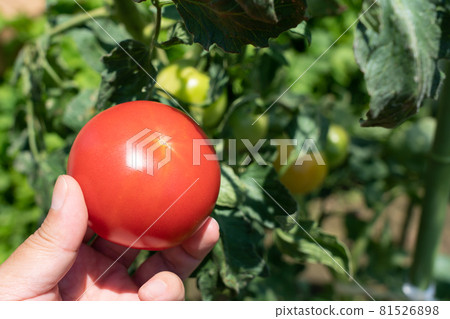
(55, 263)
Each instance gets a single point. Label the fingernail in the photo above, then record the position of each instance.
(156, 288)
(213, 223)
(59, 193)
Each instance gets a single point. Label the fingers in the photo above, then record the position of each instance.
(164, 286)
(122, 254)
(183, 259)
(45, 257)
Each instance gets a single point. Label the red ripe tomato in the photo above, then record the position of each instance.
(135, 165)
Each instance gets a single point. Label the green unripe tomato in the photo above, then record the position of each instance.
(169, 80)
(242, 126)
(184, 82)
(210, 116)
(336, 148)
(195, 86)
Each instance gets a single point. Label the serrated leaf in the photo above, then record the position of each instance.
(178, 35)
(239, 250)
(258, 205)
(129, 75)
(231, 188)
(317, 247)
(397, 45)
(228, 25)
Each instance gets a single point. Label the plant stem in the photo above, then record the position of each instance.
(165, 3)
(407, 222)
(79, 20)
(302, 208)
(31, 131)
(129, 15)
(437, 190)
(157, 27)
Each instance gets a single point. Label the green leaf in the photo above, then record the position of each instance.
(238, 254)
(230, 26)
(317, 247)
(129, 75)
(231, 188)
(303, 31)
(207, 279)
(397, 45)
(80, 110)
(258, 205)
(262, 10)
(309, 124)
(91, 50)
(178, 35)
(108, 32)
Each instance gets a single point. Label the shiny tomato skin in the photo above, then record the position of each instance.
(130, 207)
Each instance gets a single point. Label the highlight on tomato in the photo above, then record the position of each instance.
(337, 145)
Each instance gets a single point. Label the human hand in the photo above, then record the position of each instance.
(55, 263)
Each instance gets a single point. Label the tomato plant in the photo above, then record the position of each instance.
(225, 63)
(129, 206)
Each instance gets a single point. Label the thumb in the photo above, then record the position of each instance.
(37, 266)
